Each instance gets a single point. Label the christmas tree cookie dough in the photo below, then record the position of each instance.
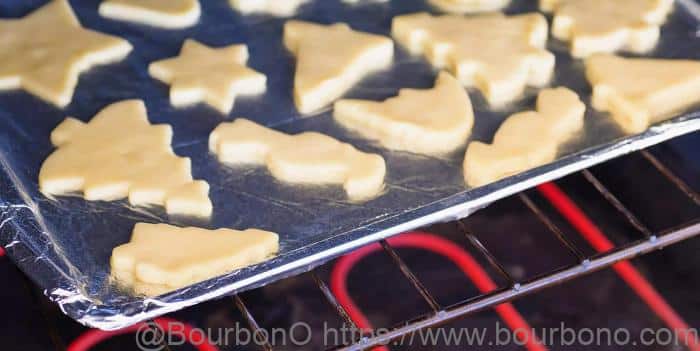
(45, 52)
(432, 121)
(500, 55)
(526, 140)
(469, 6)
(158, 13)
(119, 154)
(306, 158)
(639, 92)
(331, 59)
(173, 257)
(211, 75)
(279, 8)
(603, 26)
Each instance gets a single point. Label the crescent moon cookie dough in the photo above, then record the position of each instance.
(45, 52)
(527, 139)
(431, 121)
(211, 75)
(604, 26)
(469, 6)
(640, 92)
(119, 154)
(306, 158)
(500, 55)
(170, 14)
(331, 59)
(278, 8)
(173, 257)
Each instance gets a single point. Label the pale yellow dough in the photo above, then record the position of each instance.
(174, 257)
(157, 13)
(45, 52)
(605, 26)
(527, 139)
(432, 121)
(469, 6)
(279, 8)
(119, 154)
(211, 75)
(498, 54)
(331, 59)
(306, 158)
(640, 92)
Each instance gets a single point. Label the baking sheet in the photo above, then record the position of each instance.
(64, 244)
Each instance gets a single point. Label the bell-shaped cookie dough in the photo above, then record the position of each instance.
(603, 26)
(469, 6)
(527, 139)
(279, 8)
(211, 75)
(639, 92)
(306, 158)
(158, 13)
(498, 54)
(119, 154)
(45, 52)
(431, 121)
(174, 257)
(331, 59)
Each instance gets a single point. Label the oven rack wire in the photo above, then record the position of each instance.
(608, 255)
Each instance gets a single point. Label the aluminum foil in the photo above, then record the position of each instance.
(64, 243)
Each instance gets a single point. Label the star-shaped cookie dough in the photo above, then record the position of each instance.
(120, 154)
(639, 92)
(214, 76)
(45, 52)
(527, 139)
(306, 158)
(500, 55)
(157, 13)
(279, 8)
(604, 26)
(162, 255)
(469, 6)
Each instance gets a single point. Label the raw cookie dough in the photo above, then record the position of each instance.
(120, 154)
(331, 59)
(498, 54)
(527, 139)
(469, 6)
(640, 92)
(604, 26)
(211, 75)
(432, 121)
(175, 257)
(45, 52)
(306, 158)
(279, 8)
(157, 13)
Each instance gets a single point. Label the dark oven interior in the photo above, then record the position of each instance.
(580, 256)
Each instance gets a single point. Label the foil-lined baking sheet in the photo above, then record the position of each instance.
(64, 243)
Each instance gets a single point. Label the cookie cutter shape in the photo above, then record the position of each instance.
(119, 154)
(639, 92)
(306, 158)
(171, 14)
(469, 6)
(278, 8)
(526, 139)
(331, 59)
(500, 55)
(45, 52)
(602, 26)
(431, 121)
(211, 75)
